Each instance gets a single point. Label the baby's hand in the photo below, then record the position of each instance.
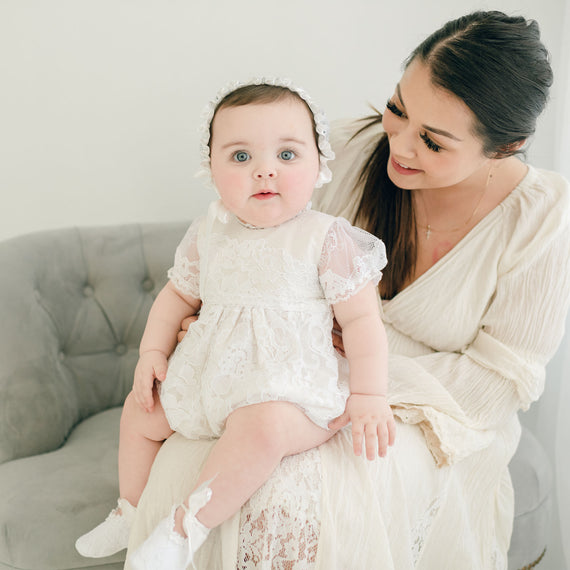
(371, 419)
(151, 365)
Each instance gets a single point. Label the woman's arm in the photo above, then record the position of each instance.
(461, 398)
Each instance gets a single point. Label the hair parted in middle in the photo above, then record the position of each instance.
(498, 66)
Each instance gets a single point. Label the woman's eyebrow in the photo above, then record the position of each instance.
(427, 127)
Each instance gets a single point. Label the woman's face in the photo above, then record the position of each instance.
(431, 135)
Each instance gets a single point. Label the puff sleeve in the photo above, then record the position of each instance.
(350, 258)
(185, 273)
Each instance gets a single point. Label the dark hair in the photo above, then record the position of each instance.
(497, 65)
(258, 95)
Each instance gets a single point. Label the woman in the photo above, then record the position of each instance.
(474, 300)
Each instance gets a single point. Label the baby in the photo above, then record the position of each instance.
(257, 369)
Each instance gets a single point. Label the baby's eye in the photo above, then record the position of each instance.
(287, 155)
(241, 156)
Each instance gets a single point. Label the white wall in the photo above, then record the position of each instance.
(100, 103)
(100, 99)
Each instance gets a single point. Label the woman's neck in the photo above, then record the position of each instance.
(460, 207)
(451, 213)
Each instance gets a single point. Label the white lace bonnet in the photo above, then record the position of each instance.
(321, 124)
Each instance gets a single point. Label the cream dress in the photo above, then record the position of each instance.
(468, 343)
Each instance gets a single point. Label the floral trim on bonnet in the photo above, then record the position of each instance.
(321, 125)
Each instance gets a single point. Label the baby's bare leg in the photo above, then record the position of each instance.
(142, 434)
(256, 439)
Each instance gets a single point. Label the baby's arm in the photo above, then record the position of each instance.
(366, 348)
(159, 339)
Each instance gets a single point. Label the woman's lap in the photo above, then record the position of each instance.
(325, 498)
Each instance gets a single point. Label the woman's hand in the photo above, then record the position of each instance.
(372, 420)
(337, 338)
(184, 326)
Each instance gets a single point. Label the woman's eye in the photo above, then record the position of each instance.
(287, 155)
(241, 156)
(429, 143)
(393, 109)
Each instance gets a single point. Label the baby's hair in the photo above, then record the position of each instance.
(260, 95)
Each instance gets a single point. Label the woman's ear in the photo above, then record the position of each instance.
(510, 149)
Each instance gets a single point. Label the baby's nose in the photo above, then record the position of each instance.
(265, 172)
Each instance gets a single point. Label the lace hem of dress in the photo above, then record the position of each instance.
(421, 529)
(284, 536)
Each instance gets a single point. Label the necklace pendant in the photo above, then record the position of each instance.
(428, 231)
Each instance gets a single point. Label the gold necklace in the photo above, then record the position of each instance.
(428, 228)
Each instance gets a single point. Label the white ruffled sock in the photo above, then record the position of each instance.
(165, 549)
(111, 536)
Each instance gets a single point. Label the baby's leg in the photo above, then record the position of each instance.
(256, 439)
(140, 439)
(142, 433)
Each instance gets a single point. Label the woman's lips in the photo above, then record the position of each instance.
(401, 169)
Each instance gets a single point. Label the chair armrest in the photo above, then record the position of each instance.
(73, 305)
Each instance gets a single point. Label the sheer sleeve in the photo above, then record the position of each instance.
(350, 258)
(185, 273)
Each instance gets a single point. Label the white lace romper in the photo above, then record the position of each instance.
(264, 331)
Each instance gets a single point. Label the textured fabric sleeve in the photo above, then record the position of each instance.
(461, 398)
(185, 273)
(350, 259)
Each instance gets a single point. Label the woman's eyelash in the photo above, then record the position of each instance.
(393, 109)
(429, 143)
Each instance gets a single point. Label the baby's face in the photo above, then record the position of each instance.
(264, 160)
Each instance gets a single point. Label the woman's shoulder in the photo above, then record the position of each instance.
(355, 134)
(353, 141)
(542, 193)
(536, 215)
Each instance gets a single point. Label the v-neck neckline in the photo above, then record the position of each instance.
(483, 224)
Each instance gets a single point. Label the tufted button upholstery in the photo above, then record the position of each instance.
(121, 349)
(81, 333)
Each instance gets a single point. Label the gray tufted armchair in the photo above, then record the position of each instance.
(73, 305)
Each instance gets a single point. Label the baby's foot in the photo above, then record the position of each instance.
(111, 536)
(166, 549)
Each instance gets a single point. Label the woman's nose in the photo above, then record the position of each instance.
(402, 142)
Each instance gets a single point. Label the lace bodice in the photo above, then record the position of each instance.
(264, 331)
(312, 257)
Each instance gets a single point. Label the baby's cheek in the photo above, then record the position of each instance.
(230, 185)
(305, 178)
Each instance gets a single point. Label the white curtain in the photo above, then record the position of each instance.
(561, 366)
(550, 417)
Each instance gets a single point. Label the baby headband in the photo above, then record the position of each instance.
(321, 124)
